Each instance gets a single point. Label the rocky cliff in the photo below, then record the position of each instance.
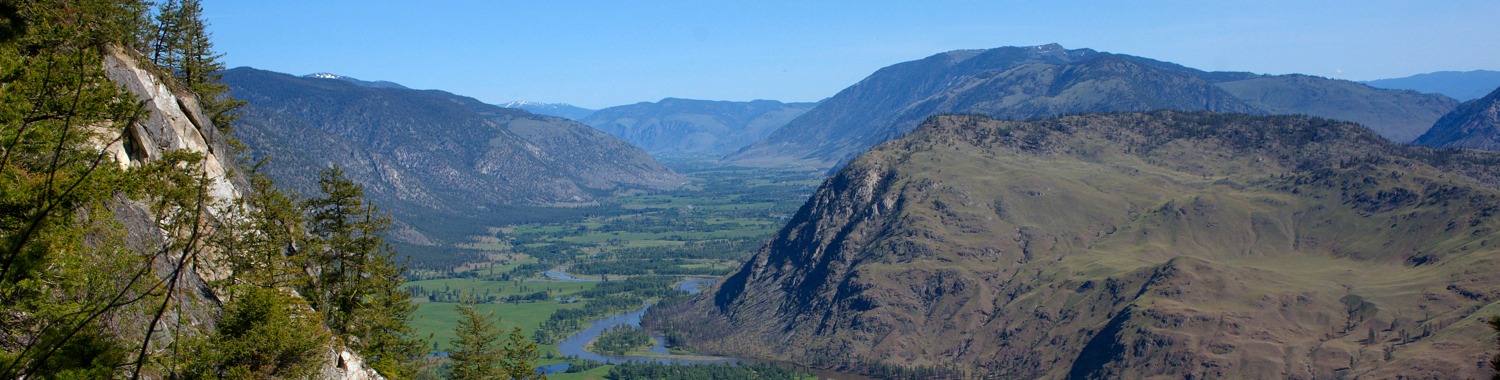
(1127, 246)
(175, 122)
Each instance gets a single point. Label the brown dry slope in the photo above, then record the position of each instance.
(1127, 245)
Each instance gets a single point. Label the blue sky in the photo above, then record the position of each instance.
(599, 54)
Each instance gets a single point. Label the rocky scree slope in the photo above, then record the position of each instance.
(1474, 125)
(1127, 246)
(1045, 81)
(426, 152)
(694, 127)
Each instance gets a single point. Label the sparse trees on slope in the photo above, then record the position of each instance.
(355, 282)
(183, 48)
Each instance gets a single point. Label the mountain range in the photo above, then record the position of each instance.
(562, 110)
(1128, 245)
(1461, 85)
(1042, 81)
(428, 153)
(365, 83)
(685, 126)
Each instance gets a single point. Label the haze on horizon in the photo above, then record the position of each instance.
(605, 54)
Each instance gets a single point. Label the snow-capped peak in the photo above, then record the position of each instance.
(522, 103)
(323, 76)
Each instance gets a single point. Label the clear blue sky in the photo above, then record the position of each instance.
(605, 53)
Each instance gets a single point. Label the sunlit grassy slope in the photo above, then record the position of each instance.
(1156, 244)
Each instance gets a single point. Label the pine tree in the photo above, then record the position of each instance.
(355, 282)
(341, 245)
(520, 357)
(200, 67)
(263, 333)
(168, 30)
(476, 354)
(184, 49)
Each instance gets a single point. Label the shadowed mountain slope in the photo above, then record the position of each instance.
(1474, 125)
(431, 152)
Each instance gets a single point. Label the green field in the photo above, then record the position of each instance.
(707, 228)
(436, 319)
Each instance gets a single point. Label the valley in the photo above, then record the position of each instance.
(703, 190)
(552, 278)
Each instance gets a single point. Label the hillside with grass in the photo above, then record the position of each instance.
(1126, 246)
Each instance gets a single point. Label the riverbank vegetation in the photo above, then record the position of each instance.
(621, 340)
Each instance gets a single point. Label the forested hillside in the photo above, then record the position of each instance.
(133, 246)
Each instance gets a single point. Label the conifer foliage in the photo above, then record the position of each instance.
(99, 261)
(355, 282)
(182, 47)
(480, 351)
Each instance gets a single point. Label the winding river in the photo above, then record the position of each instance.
(574, 345)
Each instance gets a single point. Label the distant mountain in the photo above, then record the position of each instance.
(1398, 115)
(1474, 125)
(1461, 85)
(685, 126)
(374, 84)
(430, 154)
(562, 110)
(1126, 245)
(1041, 81)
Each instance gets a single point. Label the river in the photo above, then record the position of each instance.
(574, 345)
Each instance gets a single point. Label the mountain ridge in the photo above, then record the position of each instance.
(1049, 80)
(1126, 245)
(562, 110)
(1473, 125)
(423, 151)
(676, 126)
(1461, 85)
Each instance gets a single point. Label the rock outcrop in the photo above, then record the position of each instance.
(173, 121)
